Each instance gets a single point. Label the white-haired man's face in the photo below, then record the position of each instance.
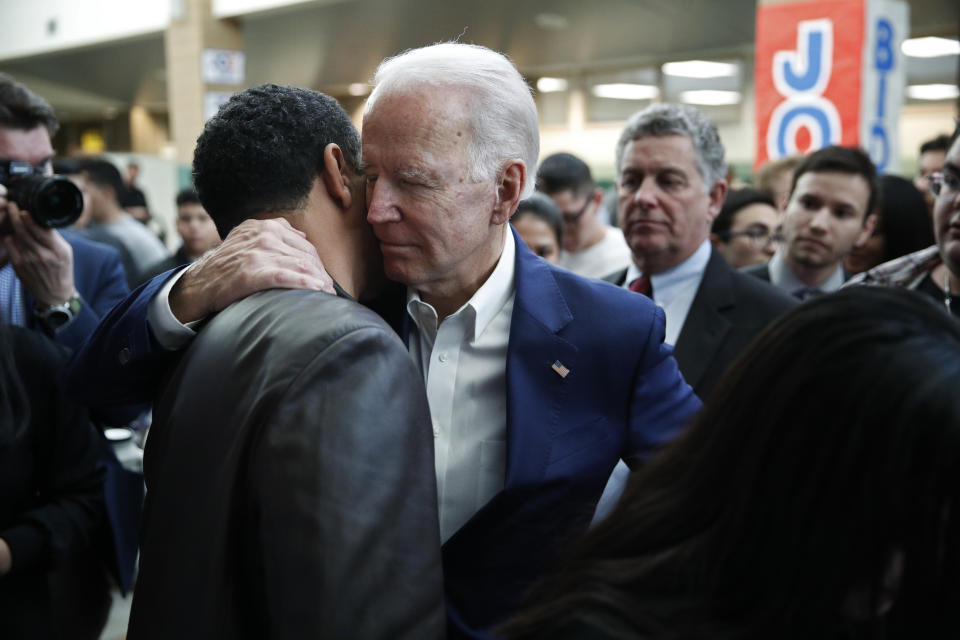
(437, 228)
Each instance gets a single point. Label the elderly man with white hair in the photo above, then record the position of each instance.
(538, 380)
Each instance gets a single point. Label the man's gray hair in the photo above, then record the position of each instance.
(668, 119)
(502, 112)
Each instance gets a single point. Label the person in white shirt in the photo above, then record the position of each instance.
(591, 248)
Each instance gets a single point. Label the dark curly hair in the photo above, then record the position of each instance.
(263, 149)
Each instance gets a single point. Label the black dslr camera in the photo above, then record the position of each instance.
(53, 201)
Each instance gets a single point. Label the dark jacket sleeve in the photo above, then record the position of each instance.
(68, 505)
(121, 363)
(343, 479)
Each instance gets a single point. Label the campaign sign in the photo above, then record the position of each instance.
(884, 82)
(808, 76)
(829, 72)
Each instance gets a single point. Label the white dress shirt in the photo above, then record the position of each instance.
(675, 288)
(169, 332)
(463, 362)
(782, 276)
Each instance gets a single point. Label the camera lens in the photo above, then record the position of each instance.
(52, 201)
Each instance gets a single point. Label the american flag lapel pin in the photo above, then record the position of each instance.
(561, 370)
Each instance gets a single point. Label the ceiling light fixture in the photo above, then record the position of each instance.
(930, 47)
(933, 91)
(699, 69)
(710, 97)
(552, 85)
(551, 21)
(625, 91)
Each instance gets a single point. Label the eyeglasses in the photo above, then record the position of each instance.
(944, 183)
(761, 238)
(571, 218)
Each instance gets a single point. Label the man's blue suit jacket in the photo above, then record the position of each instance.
(622, 398)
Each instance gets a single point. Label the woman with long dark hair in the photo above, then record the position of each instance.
(51, 481)
(815, 496)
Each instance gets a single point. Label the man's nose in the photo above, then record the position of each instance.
(381, 207)
(821, 219)
(647, 193)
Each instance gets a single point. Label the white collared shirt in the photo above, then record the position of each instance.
(675, 288)
(463, 363)
(782, 276)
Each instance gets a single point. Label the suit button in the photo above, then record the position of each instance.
(124, 356)
(443, 356)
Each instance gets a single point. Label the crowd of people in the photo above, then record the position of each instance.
(421, 385)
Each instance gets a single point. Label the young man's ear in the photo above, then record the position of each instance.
(336, 176)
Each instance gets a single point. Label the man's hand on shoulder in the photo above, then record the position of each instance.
(257, 255)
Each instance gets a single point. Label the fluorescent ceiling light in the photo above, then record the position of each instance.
(550, 85)
(551, 21)
(699, 69)
(933, 91)
(358, 88)
(710, 97)
(930, 47)
(626, 91)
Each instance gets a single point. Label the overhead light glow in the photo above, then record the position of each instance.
(625, 91)
(699, 69)
(710, 97)
(933, 91)
(930, 47)
(551, 85)
(551, 21)
(358, 88)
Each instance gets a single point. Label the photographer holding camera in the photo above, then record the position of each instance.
(51, 282)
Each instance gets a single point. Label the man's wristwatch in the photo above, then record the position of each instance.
(57, 316)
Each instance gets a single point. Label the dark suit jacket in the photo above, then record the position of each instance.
(730, 308)
(761, 271)
(622, 398)
(99, 279)
(290, 482)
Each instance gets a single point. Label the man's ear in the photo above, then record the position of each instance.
(336, 177)
(717, 194)
(510, 181)
(869, 224)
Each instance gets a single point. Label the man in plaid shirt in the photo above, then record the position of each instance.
(935, 270)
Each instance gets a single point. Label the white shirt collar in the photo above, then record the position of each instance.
(668, 283)
(782, 276)
(483, 306)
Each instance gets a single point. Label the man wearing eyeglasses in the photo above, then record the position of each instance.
(746, 230)
(935, 270)
(591, 248)
(670, 187)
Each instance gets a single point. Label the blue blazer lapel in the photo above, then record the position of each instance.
(535, 391)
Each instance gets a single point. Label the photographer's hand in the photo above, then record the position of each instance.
(41, 258)
(257, 255)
